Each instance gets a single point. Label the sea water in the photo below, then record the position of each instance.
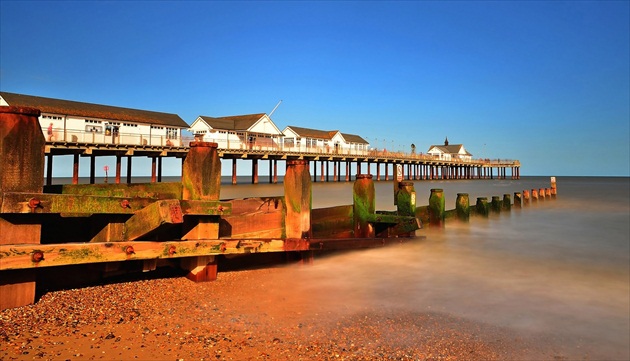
(556, 269)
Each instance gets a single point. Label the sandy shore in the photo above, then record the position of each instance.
(244, 315)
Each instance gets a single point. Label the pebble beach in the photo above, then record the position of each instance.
(243, 315)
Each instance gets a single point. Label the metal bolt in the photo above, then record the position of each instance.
(220, 209)
(129, 250)
(172, 250)
(37, 256)
(34, 203)
(125, 203)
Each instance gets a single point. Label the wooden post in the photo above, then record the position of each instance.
(21, 170)
(541, 194)
(201, 172)
(507, 202)
(482, 206)
(462, 206)
(201, 180)
(363, 205)
(534, 195)
(297, 196)
(406, 203)
(525, 197)
(436, 207)
(517, 199)
(496, 204)
(553, 187)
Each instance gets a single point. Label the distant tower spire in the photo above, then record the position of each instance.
(446, 141)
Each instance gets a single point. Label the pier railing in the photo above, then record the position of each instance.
(258, 146)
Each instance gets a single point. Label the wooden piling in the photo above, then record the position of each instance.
(482, 206)
(297, 195)
(534, 195)
(496, 204)
(462, 207)
(201, 180)
(363, 205)
(517, 199)
(436, 207)
(21, 170)
(541, 194)
(201, 172)
(406, 200)
(525, 197)
(553, 187)
(507, 202)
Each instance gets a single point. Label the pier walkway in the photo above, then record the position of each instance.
(326, 164)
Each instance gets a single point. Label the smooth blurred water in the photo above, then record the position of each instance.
(556, 270)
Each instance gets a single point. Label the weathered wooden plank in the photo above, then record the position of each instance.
(161, 190)
(254, 218)
(153, 216)
(200, 208)
(332, 222)
(31, 256)
(70, 204)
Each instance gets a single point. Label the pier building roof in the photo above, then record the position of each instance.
(244, 123)
(90, 110)
(325, 134)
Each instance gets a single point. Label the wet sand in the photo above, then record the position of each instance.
(244, 315)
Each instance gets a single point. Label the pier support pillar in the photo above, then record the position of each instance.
(118, 164)
(436, 207)
(297, 198)
(363, 205)
(21, 170)
(255, 171)
(462, 207)
(129, 158)
(49, 168)
(234, 171)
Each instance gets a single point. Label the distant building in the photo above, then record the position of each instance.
(77, 122)
(449, 152)
(253, 131)
(323, 141)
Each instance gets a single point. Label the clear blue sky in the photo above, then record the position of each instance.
(545, 82)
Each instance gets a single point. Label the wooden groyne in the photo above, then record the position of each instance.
(116, 228)
(434, 214)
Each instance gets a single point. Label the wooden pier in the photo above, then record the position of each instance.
(323, 166)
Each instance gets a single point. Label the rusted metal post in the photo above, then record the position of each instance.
(517, 199)
(436, 207)
(482, 206)
(363, 205)
(507, 202)
(298, 197)
(462, 206)
(21, 170)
